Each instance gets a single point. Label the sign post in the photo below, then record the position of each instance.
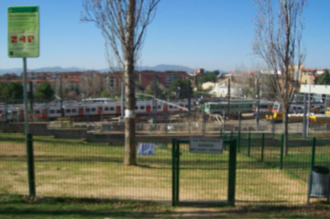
(23, 42)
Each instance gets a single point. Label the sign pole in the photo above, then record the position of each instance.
(23, 42)
(26, 123)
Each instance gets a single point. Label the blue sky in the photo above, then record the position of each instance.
(210, 34)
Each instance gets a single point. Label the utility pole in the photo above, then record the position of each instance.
(228, 95)
(6, 118)
(154, 99)
(203, 124)
(61, 91)
(304, 118)
(258, 101)
(122, 100)
(189, 108)
(309, 99)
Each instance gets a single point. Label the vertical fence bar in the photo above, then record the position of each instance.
(313, 153)
(30, 163)
(262, 146)
(173, 171)
(177, 171)
(249, 144)
(232, 173)
(239, 142)
(281, 154)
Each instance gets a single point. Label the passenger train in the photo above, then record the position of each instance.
(90, 108)
(235, 107)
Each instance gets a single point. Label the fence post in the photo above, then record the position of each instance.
(262, 146)
(173, 172)
(273, 126)
(30, 165)
(313, 153)
(281, 154)
(239, 142)
(177, 170)
(232, 172)
(249, 144)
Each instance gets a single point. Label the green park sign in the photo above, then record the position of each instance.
(23, 31)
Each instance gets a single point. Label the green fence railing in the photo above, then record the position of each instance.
(79, 168)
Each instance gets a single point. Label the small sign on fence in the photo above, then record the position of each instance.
(206, 145)
(146, 149)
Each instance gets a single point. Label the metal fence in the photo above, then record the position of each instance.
(77, 168)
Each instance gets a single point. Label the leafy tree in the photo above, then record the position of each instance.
(215, 72)
(105, 94)
(324, 78)
(179, 89)
(44, 91)
(202, 92)
(138, 86)
(12, 90)
(159, 91)
(208, 77)
(72, 92)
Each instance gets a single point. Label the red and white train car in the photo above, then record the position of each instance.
(53, 110)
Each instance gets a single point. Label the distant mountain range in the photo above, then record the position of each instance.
(60, 69)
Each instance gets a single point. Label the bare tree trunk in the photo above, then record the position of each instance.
(123, 24)
(130, 144)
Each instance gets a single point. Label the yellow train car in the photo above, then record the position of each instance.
(327, 112)
(320, 119)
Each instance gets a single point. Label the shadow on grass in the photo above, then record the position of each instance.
(25, 207)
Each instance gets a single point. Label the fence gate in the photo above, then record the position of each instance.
(203, 179)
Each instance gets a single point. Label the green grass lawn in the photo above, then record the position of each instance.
(76, 168)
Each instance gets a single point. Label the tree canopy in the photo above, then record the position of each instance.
(159, 91)
(12, 90)
(207, 78)
(44, 92)
(179, 89)
(324, 78)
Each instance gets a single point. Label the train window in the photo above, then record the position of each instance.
(171, 107)
(93, 109)
(294, 108)
(112, 108)
(68, 110)
(37, 111)
(142, 107)
(51, 111)
(136, 107)
(106, 108)
(58, 111)
(154, 107)
(88, 110)
(158, 106)
(74, 110)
